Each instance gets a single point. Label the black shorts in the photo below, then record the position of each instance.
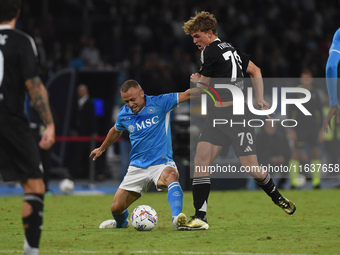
(229, 129)
(19, 154)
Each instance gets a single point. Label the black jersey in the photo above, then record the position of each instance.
(221, 60)
(18, 62)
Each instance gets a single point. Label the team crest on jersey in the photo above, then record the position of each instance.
(131, 128)
(151, 110)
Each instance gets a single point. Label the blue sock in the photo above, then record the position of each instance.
(175, 198)
(121, 219)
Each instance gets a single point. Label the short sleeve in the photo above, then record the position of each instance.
(208, 59)
(28, 57)
(331, 77)
(167, 101)
(119, 125)
(244, 58)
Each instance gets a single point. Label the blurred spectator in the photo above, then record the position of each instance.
(112, 46)
(85, 125)
(48, 29)
(307, 134)
(56, 58)
(73, 58)
(90, 54)
(288, 32)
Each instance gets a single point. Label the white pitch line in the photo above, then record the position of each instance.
(11, 251)
(147, 252)
(210, 253)
(61, 251)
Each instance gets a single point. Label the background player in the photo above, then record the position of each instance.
(221, 60)
(18, 150)
(147, 120)
(308, 133)
(331, 80)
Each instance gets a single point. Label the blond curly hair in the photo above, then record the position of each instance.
(203, 21)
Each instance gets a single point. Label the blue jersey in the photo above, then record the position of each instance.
(150, 133)
(332, 69)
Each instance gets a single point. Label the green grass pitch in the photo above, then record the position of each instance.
(241, 222)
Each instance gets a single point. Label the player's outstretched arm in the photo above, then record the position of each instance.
(334, 110)
(188, 94)
(256, 78)
(39, 98)
(331, 77)
(111, 137)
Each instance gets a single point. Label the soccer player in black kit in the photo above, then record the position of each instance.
(19, 155)
(221, 60)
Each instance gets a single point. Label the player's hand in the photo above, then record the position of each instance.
(263, 105)
(334, 110)
(96, 153)
(48, 137)
(195, 77)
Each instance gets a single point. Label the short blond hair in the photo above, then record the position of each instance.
(203, 21)
(129, 84)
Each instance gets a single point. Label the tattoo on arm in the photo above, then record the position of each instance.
(39, 98)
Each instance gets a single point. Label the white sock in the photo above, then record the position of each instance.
(28, 250)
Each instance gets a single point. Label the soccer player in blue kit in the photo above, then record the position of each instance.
(147, 119)
(331, 80)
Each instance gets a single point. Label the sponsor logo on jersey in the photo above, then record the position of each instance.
(143, 124)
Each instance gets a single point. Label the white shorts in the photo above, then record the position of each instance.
(140, 179)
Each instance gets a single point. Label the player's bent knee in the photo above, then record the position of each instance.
(169, 175)
(173, 174)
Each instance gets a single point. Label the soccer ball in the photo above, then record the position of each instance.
(301, 180)
(66, 186)
(144, 218)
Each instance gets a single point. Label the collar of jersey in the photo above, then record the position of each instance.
(2, 27)
(217, 39)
